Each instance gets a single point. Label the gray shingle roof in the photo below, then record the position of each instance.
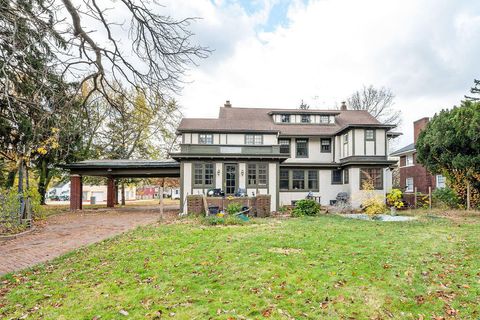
(406, 149)
(260, 120)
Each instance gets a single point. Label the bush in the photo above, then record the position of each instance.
(10, 206)
(394, 198)
(306, 207)
(372, 202)
(446, 197)
(225, 221)
(234, 207)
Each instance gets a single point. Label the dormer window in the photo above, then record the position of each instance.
(306, 118)
(324, 119)
(205, 138)
(253, 139)
(285, 118)
(369, 134)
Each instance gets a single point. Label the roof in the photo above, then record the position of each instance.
(123, 163)
(232, 119)
(406, 149)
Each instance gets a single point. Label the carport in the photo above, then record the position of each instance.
(113, 169)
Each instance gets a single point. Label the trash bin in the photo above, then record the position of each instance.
(93, 200)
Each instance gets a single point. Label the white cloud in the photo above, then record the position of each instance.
(424, 50)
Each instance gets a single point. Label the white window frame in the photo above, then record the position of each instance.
(408, 185)
(407, 163)
(205, 138)
(324, 119)
(437, 178)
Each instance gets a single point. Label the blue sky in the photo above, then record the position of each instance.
(274, 53)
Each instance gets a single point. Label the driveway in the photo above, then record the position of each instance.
(65, 232)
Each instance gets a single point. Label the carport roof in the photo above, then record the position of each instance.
(125, 168)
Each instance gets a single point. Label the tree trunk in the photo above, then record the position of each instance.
(42, 181)
(21, 210)
(123, 192)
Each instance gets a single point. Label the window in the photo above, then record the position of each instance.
(325, 145)
(409, 185)
(302, 148)
(205, 138)
(324, 119)
(284, 145)
(409, 160)
(285, 118)
(337, 176)
(257, 175)
(305, 118)
(440, 181)
(346, 176)
(253, 139)
(284, 179)
(373, 176)
(298, 179)
(369, 135)
(203, 174)
(312, 180)
(345, 138)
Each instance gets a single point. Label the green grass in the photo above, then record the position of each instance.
(306, 268)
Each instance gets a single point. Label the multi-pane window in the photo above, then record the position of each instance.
(409, 160)
(203, 174)
(298, 179)
(302, 148)
(253, 139)
(326, 145)
(345, 144)
(205, 138)
(312, 180)
(284, 179)
(369, 135)
(285, 118)
(346, 176)
(372, 177)
(284, 145)
(305, 118)
(440, 181)
(324, 119)
(337, 176)
(257, 175)
(409, 185)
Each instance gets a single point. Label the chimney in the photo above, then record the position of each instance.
(418, 126)
(227, 104)
(343, 107)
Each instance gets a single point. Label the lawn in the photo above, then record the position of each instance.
(325, 267)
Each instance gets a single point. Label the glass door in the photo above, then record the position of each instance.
(230, 178)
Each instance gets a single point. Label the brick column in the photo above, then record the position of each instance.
(75, 192)
(111, 192)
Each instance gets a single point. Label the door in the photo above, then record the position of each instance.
(231, 178)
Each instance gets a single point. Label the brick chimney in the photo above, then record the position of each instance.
(227, 104)
(343, 107)
(418, 126)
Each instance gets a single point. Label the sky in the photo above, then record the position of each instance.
(275, 53)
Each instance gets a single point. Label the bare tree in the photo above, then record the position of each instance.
(378, 102)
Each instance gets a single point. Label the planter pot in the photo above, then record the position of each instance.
(393, 211)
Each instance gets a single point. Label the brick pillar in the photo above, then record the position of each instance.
(75, 192)
(111, 192)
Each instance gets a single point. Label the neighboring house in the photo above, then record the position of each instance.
(413, 176)
(286, 153)
(89, 191)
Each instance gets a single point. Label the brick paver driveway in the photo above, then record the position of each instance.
(65, 232)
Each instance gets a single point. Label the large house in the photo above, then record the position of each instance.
(413, 176)
(286, 153)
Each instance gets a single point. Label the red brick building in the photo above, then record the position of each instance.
(413, 176)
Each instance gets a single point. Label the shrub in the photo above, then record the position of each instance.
(10, 206)
(306, 207)
(372, 203)
(234, 207)
(446, 197)
(225, 221)
(422, 200)
(394, 198)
